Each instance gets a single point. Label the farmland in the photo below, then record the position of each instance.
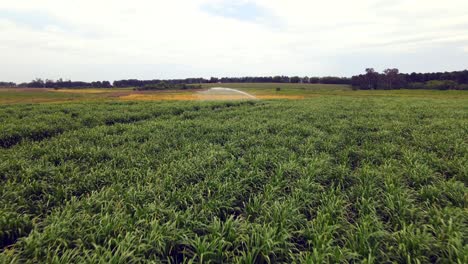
(264, 91)
(260, 90)
(338, 176)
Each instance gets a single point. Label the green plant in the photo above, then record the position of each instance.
(330, 179)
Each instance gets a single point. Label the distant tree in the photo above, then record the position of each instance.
(314, 80)
(391, 77)
(106, 84)
(441, 85)
(277, 79)
(49, 83)
(371, 78)
(167, 86)
(295, 79)
(334, 80)
(463, 77)
(36, 83)
(7, 84)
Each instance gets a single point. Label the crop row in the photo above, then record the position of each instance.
(37, 122)
(322, 180)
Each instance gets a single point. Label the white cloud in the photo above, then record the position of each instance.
(309, 38)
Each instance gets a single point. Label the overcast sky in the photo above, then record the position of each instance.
(152, 39)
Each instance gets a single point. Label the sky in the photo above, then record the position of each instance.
(152, 39)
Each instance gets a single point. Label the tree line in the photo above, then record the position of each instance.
(389, 79)
(393, 79)
(264, 79)
(167, 86)
(60, 83)
(7, 84)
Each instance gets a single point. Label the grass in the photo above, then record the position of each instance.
(40, 95)
(260, 90)
(18, 96)
(14, 96)
(329, 178)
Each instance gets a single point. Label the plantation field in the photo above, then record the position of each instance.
(338, 176)
(263, 91)
(42, 95)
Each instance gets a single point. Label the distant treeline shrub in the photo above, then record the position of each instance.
(389, 79)
(393, 79)
(166, 86)
(39, 83)
(7, 84)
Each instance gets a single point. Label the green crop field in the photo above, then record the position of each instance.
(343, 177)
